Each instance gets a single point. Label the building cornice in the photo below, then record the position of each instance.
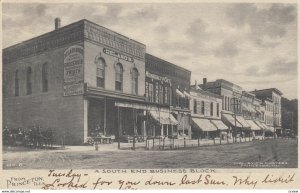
(43, 43)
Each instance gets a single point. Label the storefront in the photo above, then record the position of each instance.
(167, 87)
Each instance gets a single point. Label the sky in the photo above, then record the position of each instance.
(252, 45)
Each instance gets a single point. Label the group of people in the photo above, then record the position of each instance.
(36, 137)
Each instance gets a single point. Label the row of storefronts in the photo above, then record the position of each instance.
(84, 80)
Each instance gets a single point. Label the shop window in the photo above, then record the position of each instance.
(135, 76)
(17, 83)
(211, 109)
(45, 77)
(119, 77)
(28, 81)
(195, 106)
(100, 62)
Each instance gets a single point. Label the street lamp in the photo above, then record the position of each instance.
(274, 118)
(235, 104)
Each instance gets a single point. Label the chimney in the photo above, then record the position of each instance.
(57, 23)
(204, 82)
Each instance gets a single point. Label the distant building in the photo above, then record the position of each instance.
(231, 95)
(206, 114)
(272, 99)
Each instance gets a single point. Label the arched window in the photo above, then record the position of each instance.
(119, 77)
(45, 77)
(28, 81)
(134, 81)
(17, 83)
(100, 62)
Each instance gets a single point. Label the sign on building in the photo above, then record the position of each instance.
(73, 71)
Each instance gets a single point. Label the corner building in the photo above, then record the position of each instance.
(75, 80)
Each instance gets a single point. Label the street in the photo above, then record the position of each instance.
(268, 153)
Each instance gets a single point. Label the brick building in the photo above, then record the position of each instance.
(231, 95)
(83, 79)
(206, 114)
(75, 79)
(167, 87)
(272, 99)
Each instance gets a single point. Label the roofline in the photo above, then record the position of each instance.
(42, 35)
(65, 27)
(169, 63)
(112, 31)
(274, 89)
(204, 91)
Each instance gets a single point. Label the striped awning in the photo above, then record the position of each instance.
(178, 92)
(260, 124)
(204, 124)
(254, 126)
(231, 120)
(164, 118)
(219, 124)
(243, 122)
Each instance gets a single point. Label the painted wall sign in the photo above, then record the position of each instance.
(73, 70)
(156, 77)
(117, 55)
(73, 89)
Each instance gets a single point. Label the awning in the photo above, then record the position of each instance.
(252, 109)
(244, 106)
(230, 119)
(270, 128)
(219, 124)
(140, 106)
(254, 126)
(180, 93)
(164, 118)
(243, 122)
(187, 94)
(204, 124)
(260, 124)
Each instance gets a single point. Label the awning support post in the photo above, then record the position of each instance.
(119, 129)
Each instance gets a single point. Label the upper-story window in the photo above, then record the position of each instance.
(218, 110)
(195, 106)
(135, 82)
(166, 95)
(211, 109)
(100, 62)
(16, 83)
(29, 81)
(45, 77)
(119, 77)
(202, 107)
